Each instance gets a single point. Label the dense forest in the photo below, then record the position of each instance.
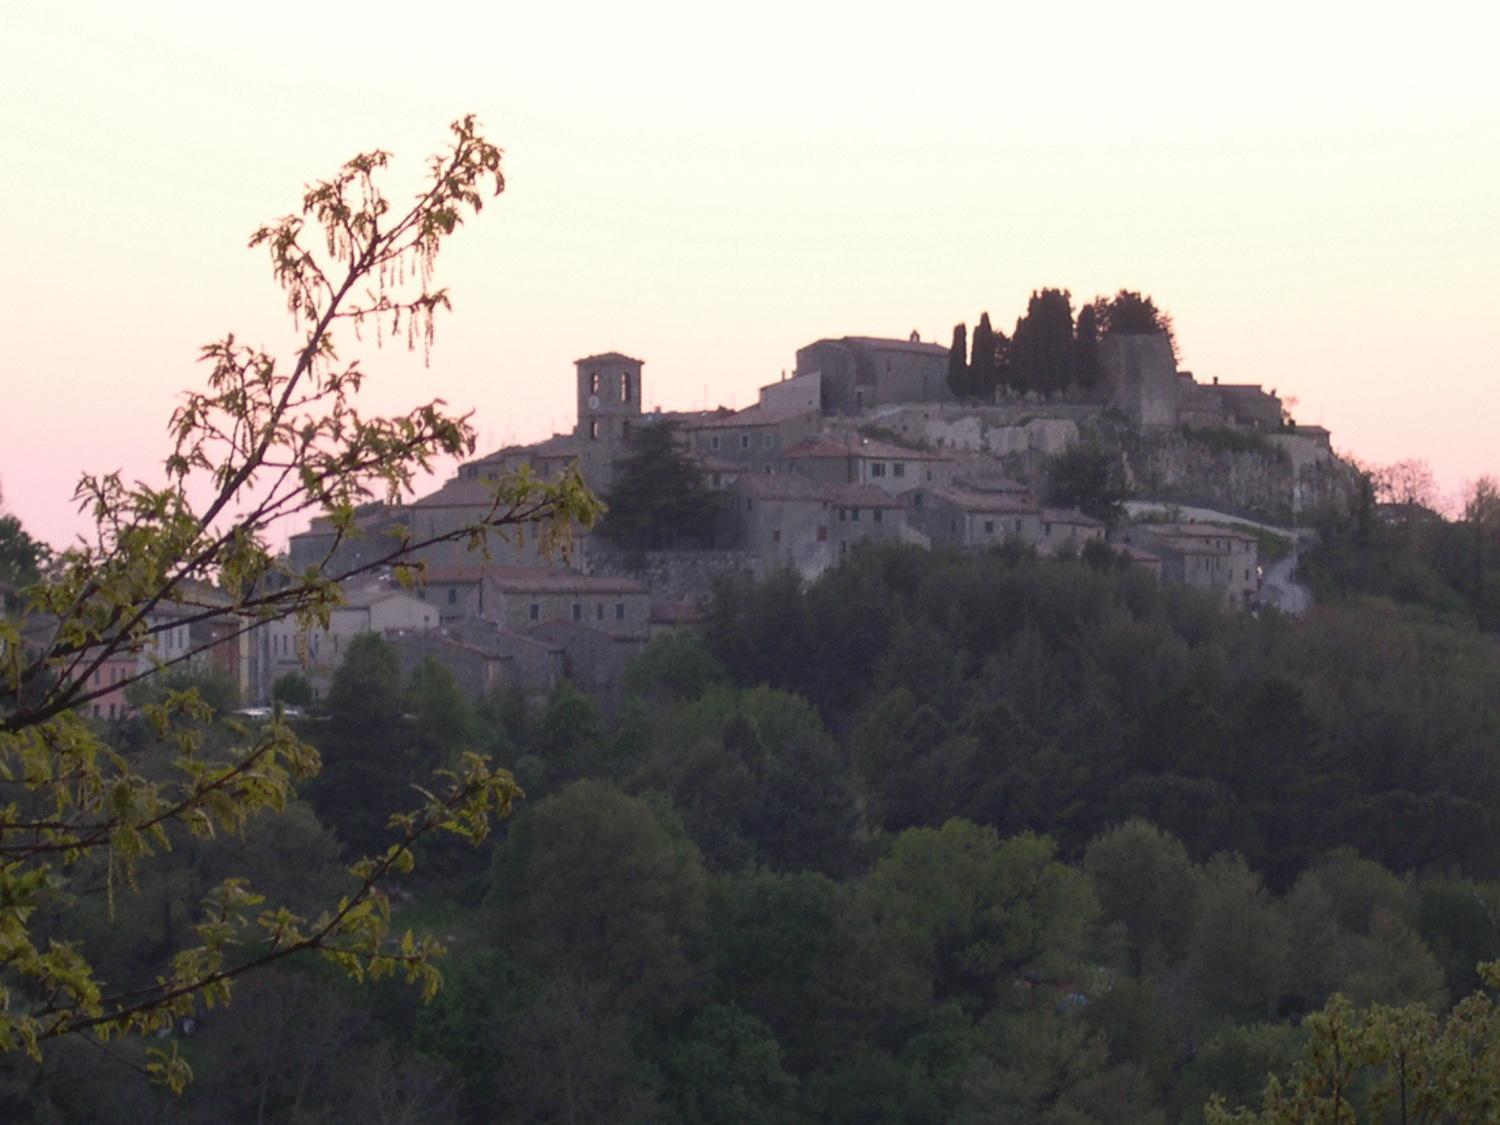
(938, 837)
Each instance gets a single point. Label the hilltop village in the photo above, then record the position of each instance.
(865, 441)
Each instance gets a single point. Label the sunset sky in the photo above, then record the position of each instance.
(1312, 190)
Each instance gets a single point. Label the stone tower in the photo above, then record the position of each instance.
(609, 407)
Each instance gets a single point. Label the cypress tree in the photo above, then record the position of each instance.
(983, 373)
(958, 362)
(1086, 370)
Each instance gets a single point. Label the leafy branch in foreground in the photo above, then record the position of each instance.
(1383, 1063)
(265, 442)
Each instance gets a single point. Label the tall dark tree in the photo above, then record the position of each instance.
(983, 370)
(958, 362)
(659, 499)
(1129, 313)
(1041, 353)
(1086, 369)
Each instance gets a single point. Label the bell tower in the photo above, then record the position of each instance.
(609, 407)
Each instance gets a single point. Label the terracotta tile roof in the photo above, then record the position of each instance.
(860, 496)
(836, 446)
(918, 347)
(994, 502)
(518, 579)
(1195, 531)
(750, 416)
(558, 445)
(780, 486)
(460, 492)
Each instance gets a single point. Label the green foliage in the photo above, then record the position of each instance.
(1226, 439)
(1042, 351)
(984, 364)
(727, 1070)
(265, 441)
(1385, 1063)
(21, 556)
(660, 499)
(1088, 478)
(292, 689)
(591, 883)
(1129, 313)
(958, 362)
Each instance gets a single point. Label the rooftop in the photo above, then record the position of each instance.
(1196, 531)
(834, 446)
(751, 416)
(608, 357)
(972, 500)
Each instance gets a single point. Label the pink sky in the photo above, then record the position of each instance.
(1310, 190)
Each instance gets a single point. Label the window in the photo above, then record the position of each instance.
(989, 527)
(577, 611)
(625, 429)
(765, 441)
(877, 468)
(879, 515)
(452, 595)
(749, 503)
(593, 382)
(1018, 526)
(619, 611)
(843, 515)
(625, 386)
(536, 611)
(744, 441)
(916, 500)
(599, 612)
(713, 441)
(898, 469)
(854, 514)
(594, 430)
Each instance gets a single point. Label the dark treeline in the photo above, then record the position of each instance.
(1050, 352)
(936, 838)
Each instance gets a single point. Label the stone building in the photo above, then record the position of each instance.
(1207, 557)
(958, 516)
(287, 646)
(751, 439)
(856, 373)
(852, 459)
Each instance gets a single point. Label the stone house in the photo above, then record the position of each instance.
(286, 646)
(1066, 529)
(521, 599)
(856, 373)
(852, 459)
(1219, 560)
(753, 438)
(789, 520)
(957, 516)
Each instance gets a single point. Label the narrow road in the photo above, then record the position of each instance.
(1280, 589)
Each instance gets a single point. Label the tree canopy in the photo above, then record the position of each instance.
(267, 440)
(660, 499)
